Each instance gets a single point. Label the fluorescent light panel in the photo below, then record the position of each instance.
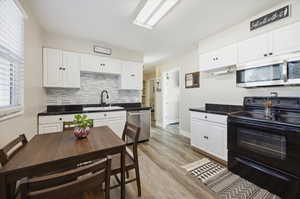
(153, 11)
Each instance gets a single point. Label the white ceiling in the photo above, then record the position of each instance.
(111, 21)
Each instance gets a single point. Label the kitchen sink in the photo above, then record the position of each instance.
(105, 108)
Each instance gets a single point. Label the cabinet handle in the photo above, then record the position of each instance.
(270, 53)
(205, 116)
(205, 137)
(60, 119)
(105, 114)
(60, 68)
(132, 75)
(265, 55)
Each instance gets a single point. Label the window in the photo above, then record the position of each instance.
(11, 57)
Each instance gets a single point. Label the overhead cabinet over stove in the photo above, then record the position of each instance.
(266, 47)
(275, 43)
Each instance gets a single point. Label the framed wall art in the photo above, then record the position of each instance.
(192, 80)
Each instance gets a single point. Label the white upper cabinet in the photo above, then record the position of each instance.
(282, 41)
(286, 39)
(112, 67)
(61, 69)
(207, 61)
(52, 63)
(71, 71)
(224, 57)
(255, 48)
(132, 76)
(97, 64)
(90, 63)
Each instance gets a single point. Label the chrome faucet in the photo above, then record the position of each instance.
(102, 95)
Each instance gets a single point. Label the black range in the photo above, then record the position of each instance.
(264, 144)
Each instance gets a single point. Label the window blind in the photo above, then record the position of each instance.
(11, 58)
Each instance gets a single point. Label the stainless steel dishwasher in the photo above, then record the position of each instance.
(142, 119)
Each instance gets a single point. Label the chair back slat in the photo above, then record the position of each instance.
(60, 178)
(69, 183)
(133, 133)
(72, 188)
(12, 148)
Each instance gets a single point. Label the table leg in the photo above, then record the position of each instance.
(3, 188)
(123, 173)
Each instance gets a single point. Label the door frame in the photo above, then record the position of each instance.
(163, 81)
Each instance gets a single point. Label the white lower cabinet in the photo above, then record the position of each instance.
(115, 120)
(209, 133)
(50, 128)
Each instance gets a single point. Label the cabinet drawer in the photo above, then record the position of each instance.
(221, 119)
(50, 128)
(50, 119)
(107, 115)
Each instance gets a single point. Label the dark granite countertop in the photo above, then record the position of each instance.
(220, 109)
(78, 108)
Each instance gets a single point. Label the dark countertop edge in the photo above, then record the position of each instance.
(99, 111)
(219, 109)
(202, 110)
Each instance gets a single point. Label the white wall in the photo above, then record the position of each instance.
(52, 40)
(35, 97)
(222, 89)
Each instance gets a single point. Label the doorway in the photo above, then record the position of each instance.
(152, 99)
(171, 97)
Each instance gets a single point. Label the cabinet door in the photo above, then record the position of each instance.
(117, 126)
(255, 48)
(198, 131)
(98, 123)
(90, 63)
(112, 67)
(227, 56)
(71, 71)
(217, 145)
(286, 39)
(132, 76)
(50, 128)
(52, 63)
(207, 61)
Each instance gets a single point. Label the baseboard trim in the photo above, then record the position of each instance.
(223, 162)
(184, 133)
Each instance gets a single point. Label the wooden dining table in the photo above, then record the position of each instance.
(56, 151)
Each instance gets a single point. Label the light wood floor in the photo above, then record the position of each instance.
(161, 175)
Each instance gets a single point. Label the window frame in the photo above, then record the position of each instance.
(16, 107)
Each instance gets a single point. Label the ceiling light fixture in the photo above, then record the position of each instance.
(153, 11)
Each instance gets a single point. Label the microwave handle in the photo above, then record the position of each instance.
(285, 71)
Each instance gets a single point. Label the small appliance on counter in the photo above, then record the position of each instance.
(264, 146)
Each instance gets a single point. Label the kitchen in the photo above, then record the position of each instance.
(90, 70)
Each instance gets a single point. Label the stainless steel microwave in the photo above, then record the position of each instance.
(282, 73)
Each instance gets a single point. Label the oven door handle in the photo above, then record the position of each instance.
(258, 125)
(263, 169)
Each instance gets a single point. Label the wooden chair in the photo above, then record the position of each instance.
(130, 136)
(76, 183)
(12, 148)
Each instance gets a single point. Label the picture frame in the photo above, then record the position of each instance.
(192, 80)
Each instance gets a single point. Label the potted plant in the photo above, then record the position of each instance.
(82, 126)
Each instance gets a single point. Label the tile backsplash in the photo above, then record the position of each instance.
(89, 93)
